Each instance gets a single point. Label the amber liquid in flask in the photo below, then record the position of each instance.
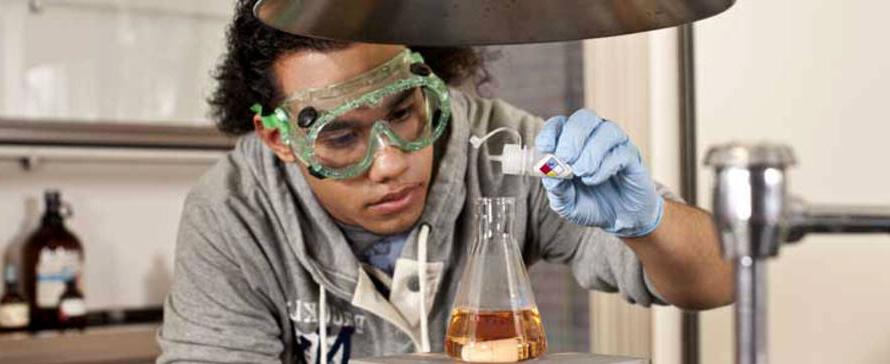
(494, 318)
(495, 337)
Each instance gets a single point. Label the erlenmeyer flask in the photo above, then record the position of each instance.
(494, 318)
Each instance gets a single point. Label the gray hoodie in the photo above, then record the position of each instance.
(259, 263)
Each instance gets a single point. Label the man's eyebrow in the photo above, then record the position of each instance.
(400, 98)
(340, 124)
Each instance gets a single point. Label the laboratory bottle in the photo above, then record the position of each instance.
(72, 308)
(527, 161)
(524, 160)
(494, 318)
(52, 256)
(13, 307)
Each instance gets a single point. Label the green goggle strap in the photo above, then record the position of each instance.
(276, 120)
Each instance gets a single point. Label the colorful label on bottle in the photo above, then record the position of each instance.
(14, 315)
(553, 167)
(72, 307)
(54, 268)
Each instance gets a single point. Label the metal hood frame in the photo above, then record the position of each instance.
(478, 22)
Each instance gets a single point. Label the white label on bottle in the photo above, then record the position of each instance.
(72, 307)
(54, 268)
(551, 166)
(14, 315)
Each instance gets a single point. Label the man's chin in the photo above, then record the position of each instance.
(392, 226)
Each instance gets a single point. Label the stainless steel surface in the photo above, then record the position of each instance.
(750, 210)
(476, 22)
(750, 155)
(750, 311)
(755, 214)
(105, 134)
(836, 219)
(749, 197)
(562, 358)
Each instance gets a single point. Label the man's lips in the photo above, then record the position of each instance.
(397, 200)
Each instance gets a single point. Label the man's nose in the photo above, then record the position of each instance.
(389, 162)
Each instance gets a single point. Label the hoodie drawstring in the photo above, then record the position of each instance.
(323, 325)
(422, 240)
(422, 258)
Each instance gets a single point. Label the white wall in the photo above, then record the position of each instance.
(634, 81)
(665, 165)
(125, 214)
(109, 60)
(816, 75)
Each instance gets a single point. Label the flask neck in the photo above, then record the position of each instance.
(496, 216)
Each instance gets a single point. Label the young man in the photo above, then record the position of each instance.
(303, 244)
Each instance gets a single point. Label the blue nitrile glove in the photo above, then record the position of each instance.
(611, 188)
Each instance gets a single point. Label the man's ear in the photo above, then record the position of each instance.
(272, 138)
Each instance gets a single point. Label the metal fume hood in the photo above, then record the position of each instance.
(478, 22)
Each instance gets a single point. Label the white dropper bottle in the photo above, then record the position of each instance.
(521, 160)
(527, 161)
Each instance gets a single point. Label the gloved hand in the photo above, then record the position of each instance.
(611, 188)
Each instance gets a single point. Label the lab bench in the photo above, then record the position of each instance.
(129, 344)
(561, 358)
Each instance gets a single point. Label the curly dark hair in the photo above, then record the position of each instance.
(245, 75)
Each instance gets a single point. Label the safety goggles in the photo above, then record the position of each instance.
(337, 130)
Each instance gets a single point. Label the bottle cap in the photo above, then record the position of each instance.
(512, 158)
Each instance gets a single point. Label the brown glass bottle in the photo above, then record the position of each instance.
(13, 307)
(52, 256)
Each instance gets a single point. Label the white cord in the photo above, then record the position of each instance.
(323, 325)
(422, 258)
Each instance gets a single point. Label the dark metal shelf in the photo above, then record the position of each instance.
(111, 135)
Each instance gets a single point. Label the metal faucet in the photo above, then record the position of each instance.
(755, 214)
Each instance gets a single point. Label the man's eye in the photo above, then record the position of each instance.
(401, 114)
(341, 139)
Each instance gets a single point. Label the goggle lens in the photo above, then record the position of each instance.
(349, 138)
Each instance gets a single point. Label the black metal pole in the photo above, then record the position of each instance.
(689, 172)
